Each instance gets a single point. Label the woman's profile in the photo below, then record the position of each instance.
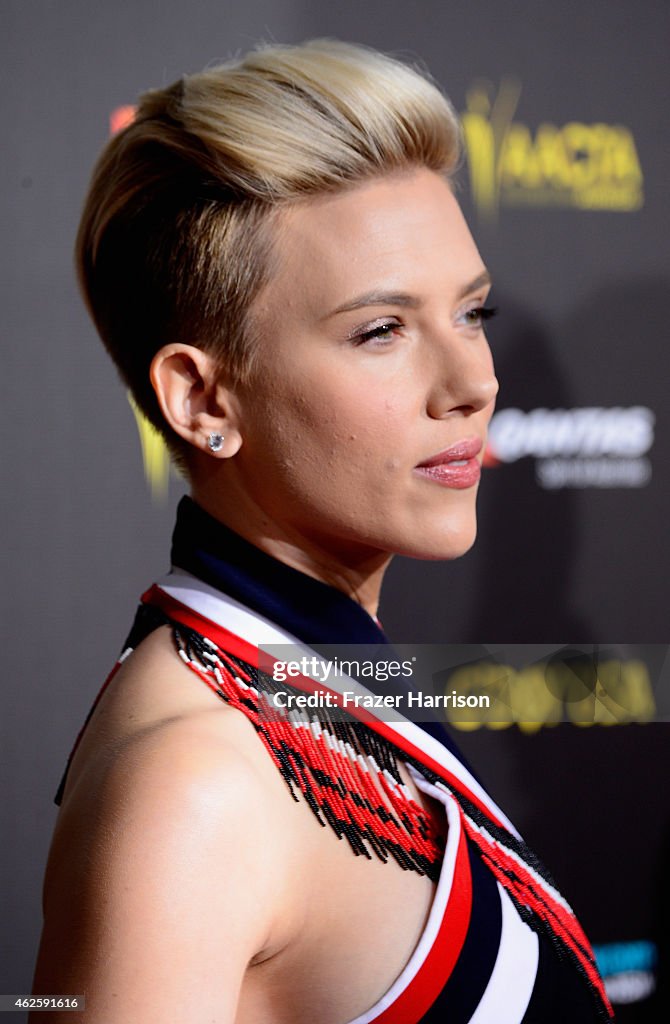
(274, 257)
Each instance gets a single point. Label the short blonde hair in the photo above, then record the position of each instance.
(174, 245)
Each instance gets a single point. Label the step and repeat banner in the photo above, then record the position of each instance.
(564, 183)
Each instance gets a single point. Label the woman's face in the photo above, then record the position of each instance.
(364, 427)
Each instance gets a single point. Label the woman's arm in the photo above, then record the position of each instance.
(162, 884)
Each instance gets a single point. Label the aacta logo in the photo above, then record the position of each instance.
(588, 166)
(588, 447)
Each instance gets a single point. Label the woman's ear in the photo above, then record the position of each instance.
(194, 401)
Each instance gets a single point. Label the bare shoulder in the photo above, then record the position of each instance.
(156, 708)
(161, 854)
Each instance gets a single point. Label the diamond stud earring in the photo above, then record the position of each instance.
(215, 442)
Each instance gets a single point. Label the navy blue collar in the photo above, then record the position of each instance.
(309, 609)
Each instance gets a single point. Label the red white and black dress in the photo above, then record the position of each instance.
(501, 945)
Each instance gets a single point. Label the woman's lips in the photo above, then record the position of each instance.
(456, 467)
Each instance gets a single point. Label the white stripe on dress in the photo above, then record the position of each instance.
(510, 986)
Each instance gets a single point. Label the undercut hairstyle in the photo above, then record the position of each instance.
(175, 240)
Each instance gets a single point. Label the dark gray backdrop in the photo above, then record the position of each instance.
(582, 294)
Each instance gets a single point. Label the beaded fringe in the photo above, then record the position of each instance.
(347, 774)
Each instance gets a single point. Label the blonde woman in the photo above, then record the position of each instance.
(274, 257)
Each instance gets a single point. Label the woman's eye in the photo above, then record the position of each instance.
(476, 316)
(385, 332)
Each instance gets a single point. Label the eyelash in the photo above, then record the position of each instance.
(482, 313)
(376, 332)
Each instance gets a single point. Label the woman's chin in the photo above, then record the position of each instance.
(444, 544)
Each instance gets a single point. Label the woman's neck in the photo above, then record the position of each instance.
(354, 570)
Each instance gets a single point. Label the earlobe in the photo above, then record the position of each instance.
(193, 401)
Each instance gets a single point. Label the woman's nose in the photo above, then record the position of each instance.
(464, 381)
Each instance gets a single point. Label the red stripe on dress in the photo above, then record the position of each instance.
(182, 613)
(424, 988)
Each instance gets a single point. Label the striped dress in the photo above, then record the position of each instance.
(501, 945)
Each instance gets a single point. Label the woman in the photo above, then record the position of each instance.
(273, 256)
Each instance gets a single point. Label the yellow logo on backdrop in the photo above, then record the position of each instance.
(155, 454)
(618, 693)
(586, 166)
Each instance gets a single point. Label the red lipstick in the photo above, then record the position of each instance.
(456, 467)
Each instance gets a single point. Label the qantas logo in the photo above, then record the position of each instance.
(584, 447)
(571, 433)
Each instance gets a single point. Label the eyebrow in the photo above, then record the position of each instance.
(379, 298)
(481, 281)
